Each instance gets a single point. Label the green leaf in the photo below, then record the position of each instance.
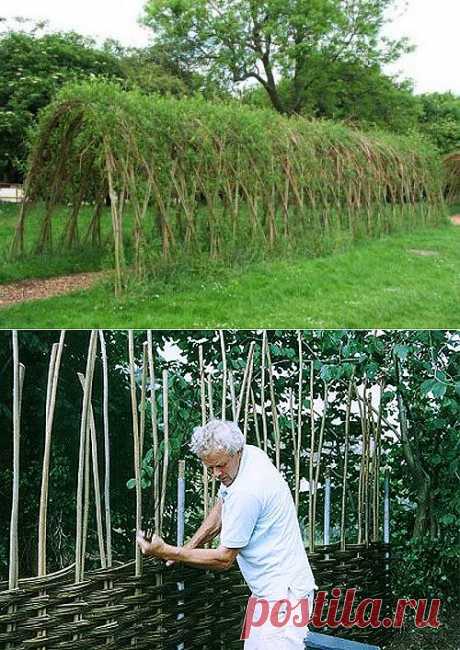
(439, 389)
(447, 519)
(131, 483)
(148, 470)
(401, 351)
(372, 369)
(427, 386)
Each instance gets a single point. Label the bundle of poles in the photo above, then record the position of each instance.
(237, 401)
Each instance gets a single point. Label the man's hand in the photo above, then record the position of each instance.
(153, 546)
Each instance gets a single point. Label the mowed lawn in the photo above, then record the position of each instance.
(403, 281)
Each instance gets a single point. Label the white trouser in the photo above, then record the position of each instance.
(288, 636)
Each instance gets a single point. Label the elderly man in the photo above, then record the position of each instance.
(258, 527)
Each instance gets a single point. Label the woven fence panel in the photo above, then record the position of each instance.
(166, 608)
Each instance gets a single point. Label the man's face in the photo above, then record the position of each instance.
(224, 467)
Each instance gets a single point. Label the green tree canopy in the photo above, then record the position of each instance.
(33, 66)
(354, 93)
(440, 120)
(245, 40)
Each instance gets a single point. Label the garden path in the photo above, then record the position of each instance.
(36, 288)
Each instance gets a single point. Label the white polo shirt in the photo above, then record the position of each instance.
(258, 517)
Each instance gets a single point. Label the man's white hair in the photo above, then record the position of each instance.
(217, 435)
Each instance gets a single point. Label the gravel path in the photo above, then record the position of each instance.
(38, 288)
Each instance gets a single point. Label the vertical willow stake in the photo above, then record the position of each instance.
(292, 420)
(86, 497)
(366, 450)
(153, 418)
(256, 421)
(320, 449)
(180, 530)
(137, 450)
(105, 411)
(327, 509)
(203, 422)
(81, 457)
(298, 444)
(49, 384)
(137, 460)
(210, 397)
(245, 380)
(155, 442)
(248, 391)
(143, 394)
(262, 389)
(13, 568)
(231, 383)
(108, 584)
(97, 490)
(224, 376)
(378, 447)
(345, 463)
(211, 417)
(362, 411)
(276, 430)
(18, 378)
(166, 446)
(53, 373)
(370, 466)
(311, 523)
(44, 487)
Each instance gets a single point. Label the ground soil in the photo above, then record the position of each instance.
(455, 219)
(34, 289)
(446, 638)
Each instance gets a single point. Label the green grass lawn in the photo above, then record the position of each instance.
(377, 283)
(45, 266)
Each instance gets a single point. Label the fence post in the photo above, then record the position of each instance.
(386, 519)
(386, 509)
(180, 529)
(181, 503)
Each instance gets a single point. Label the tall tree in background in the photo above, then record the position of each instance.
(265, 41)
(440, 120)
(358, 94)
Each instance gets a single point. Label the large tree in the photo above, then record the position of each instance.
(354, 93)
(267, 40)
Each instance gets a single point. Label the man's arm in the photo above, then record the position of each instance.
(207, 531)
(209, 528)
(218, 559)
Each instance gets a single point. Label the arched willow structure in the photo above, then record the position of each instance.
(201, 176)
(452, 168)
(141, 603)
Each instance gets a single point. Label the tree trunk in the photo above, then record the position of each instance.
(422, 514)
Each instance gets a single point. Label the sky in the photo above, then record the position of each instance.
(431, 25)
